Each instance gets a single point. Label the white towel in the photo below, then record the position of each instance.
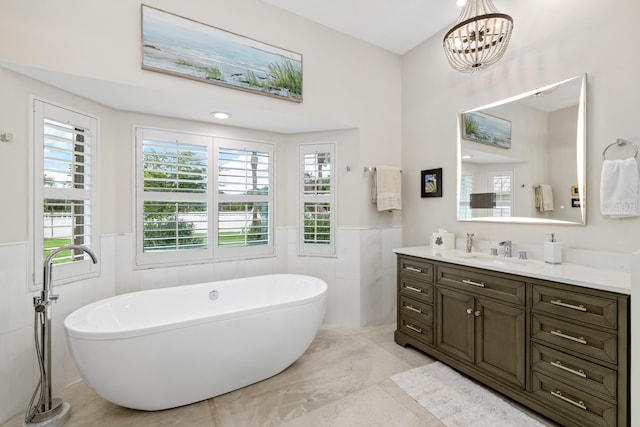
(386, 190)
(619, 188)
(544, 198)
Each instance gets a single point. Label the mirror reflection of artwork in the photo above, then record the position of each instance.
(487, 129)
(431, 183)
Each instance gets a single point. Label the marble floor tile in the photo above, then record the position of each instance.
(341, 380)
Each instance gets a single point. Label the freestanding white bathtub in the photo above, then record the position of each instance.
(169, 347)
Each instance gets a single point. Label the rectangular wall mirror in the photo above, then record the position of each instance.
(522, 159)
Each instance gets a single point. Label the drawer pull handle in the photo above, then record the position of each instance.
(580, 404)
(415, 270)
(559, 364)
(571, 306)
(411, 288)
(412, 308)
(559, 333)
(471, 282)
(413, 328)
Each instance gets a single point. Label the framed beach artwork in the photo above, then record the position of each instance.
(431, 183)
(186, 48)
(486, 129)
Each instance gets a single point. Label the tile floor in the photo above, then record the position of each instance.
(342, 380)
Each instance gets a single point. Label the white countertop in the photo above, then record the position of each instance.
(573, 274)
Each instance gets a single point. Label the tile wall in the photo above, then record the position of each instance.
(361, 281)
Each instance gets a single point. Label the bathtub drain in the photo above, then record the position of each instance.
(213, 295)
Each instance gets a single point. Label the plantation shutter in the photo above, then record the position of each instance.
(65, 193)
(174, 184)
(317, 195)
(500, 183)
(245, 196)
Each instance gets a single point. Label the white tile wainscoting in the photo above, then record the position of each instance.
(361, 279)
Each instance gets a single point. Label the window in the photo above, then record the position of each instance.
(317, 199)
(65, 190)
(180, 216)
(245, 197)
(172, 204)
(500, 183)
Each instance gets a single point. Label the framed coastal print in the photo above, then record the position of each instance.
(486, 129)
(431, 183)
(186, 48)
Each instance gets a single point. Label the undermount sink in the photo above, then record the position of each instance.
(495, 260)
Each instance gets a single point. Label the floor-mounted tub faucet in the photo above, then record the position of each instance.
(507, 248)
(47, 408)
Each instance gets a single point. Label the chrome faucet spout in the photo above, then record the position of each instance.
(508, 246)
(48, 262)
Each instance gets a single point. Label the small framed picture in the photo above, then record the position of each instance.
(431, 183)
(574, 191)
(575, 203)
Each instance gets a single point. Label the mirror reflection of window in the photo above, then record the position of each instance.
(500, 183)
(466, 188)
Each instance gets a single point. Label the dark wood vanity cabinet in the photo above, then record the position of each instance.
(560, 349)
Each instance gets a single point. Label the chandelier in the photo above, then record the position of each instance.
(479, 38)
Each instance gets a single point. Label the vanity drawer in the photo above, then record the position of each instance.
(501, 288)
(583, 340)
(416, 289)
(416, 269)
(576, 372)
(576, 404)
(416, 329)
(416, 309)
(577, 306)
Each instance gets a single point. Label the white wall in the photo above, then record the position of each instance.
(552, 41)
(346, 82)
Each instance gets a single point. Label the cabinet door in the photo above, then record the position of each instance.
(501, 340)
(455, 324)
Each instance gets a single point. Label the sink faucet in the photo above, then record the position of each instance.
(469, 242)
(507, 248)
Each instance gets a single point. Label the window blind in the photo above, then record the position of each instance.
(66, 168)
(317, 195)
(175, 210)
(244, 192)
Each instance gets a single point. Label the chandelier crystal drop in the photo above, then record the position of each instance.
(479, 38)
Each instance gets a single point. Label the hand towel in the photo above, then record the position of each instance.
(386, 190)
(619, 188)
(544, 198)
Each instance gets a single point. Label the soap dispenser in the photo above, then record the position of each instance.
(552, 250)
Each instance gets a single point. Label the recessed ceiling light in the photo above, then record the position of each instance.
(461, 2)
(467, 156)
(220, 115)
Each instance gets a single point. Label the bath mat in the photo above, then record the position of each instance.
(459, 402)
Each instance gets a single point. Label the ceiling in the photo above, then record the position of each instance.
(397, 26)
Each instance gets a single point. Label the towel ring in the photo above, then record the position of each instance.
(619, 142)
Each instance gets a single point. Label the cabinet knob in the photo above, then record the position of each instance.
(469, 310)
(477, 313)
